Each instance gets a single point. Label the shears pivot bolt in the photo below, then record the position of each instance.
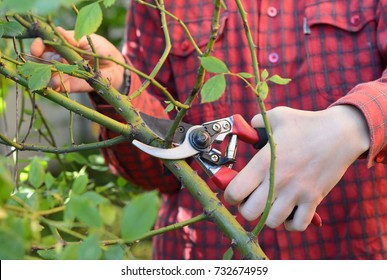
(200, 139)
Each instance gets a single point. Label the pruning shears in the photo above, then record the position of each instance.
(198, 141)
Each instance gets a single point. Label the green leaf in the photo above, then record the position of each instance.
(80, 184)
(246, 75)
(96, 160)
(213, 89)
(68, 214)
(90, 249)
(39, 74)
(65, 68)
(38, 121)
(263, 90)
(108, 3)
(94, 197)
(264, 74)
(49, 254)
(97, 163)
(108, 213)
(84, 209)
(48, 240)
(213, 65)
(139, 215)
(11, 246)
(49, 180)
(279, 80)
(114, 252)
(70, 252)
(169, 108)
(11, 28)
(88, 20)
(228, 254)
(30, 68)
(36, 175)
(76, 157)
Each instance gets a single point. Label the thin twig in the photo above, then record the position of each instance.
(71, 124)
(262, 106)
(159, 231)
(63, 150)
(178, 20)
(167, 49)
(32, 118)
(9, 142)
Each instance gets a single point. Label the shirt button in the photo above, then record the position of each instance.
(272, 11)
(273, 57)
(355, 20)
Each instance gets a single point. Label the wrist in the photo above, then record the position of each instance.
(353, 128)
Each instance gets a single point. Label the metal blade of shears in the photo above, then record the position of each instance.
(161, 127)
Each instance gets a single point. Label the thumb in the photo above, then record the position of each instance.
(37, 47)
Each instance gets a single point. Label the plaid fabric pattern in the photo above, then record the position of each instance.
(334, 51)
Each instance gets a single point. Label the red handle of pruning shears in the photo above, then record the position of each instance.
(255, 136)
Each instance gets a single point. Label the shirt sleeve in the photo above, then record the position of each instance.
(124, 159)
(371, 99)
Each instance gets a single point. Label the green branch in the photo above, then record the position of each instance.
(9, 142)
(269, 200)
(69, 104)
(159, 231)
(167, 49)
(122, 105)
(215, 211)
(63, 150)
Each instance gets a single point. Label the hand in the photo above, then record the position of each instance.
(108, 69)
(314, 149)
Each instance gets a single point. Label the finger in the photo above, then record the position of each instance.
(280, 211)
(69, 84)
(68, 35)
(37, 47)
(302, 217)
(249, 178)
(253, 207)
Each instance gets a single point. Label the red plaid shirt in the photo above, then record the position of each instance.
(334, 51)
